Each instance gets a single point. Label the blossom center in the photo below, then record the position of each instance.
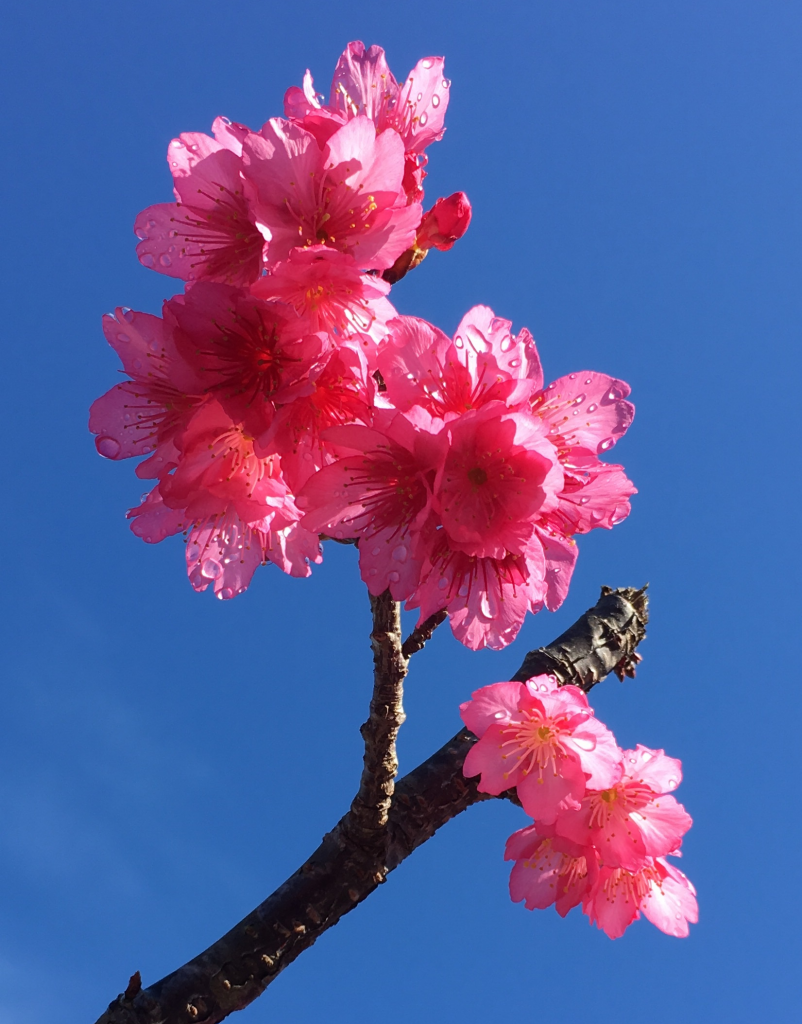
(477, 476)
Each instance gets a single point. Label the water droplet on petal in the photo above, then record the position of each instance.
(459, 342)
(127, 313)
(141, 234)
(226, 594)
(499, 714)
(646, 755)
(165, 260)
(605, 445)
(107, 447)
(393, 576)
(193, 551)
(122, 336)
(484, 607)
(592, 407)
(423, 118)
(578, 400)
(463, 590)
(672, 783)
(572, 376)
(427, 63)
(589, 380)
(373, 572)
(515, 362)
(435, 100)
(442, 583)
(400, 553)
(585, 742)
(146, 259)
(211, 569)
(584, 500)
(376, 550)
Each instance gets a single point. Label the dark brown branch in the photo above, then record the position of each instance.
(366, 824)
(237, 968)
(421, 634)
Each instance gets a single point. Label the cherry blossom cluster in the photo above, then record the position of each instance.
(280, 399)
(604, 818)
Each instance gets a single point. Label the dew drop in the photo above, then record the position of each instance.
(153, 346)
(572, 376)
(646, 755)
(423, 118)
(137, 364)
(146, 259)
(427, 63)
(400, 553)
(393, 576)
(589, 380)
(459, 343)
(515, 362)
(484, 607)
(556, 570)
(463, 590)
(172, 233)
(605, 445)
(211, 569)
(127, 313)
(578, 400)
(141, 234)
(584, 500)
(373, 572)
(672, 783)
(585, 743)
(226, 594)
(592, 407)
(618, 517)
(435, 100)
(107, 447)
(442, 583)
(376, 550)
(193, 551)
(165, 260)
(420, 96)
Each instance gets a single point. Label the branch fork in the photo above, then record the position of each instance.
(387, 821)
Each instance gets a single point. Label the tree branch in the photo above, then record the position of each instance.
(366, 823)
(421, 634)
(237, 968)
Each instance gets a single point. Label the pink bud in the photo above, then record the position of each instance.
(447, 221)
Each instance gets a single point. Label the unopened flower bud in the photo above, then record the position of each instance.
(447, 221)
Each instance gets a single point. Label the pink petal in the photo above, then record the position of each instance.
(496, 703)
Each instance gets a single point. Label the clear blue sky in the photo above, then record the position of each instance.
(168, 759)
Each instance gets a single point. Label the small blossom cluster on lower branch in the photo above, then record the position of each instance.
(604, 818)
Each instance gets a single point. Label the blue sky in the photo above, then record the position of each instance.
(168, 759)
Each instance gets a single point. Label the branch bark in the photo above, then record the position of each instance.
(344, 870)
(366, 823)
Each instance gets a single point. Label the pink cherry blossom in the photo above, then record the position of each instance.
(657, 889)
(236, 507)
(209, 233)
(143, 415)
(635, 818)
(329, 293)
(484, 362)
(251, 354)
(341, 393)
(383, 495)
(363, 85)
(549, 869)
(346, 194)
(549, 748)
(445, 223)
